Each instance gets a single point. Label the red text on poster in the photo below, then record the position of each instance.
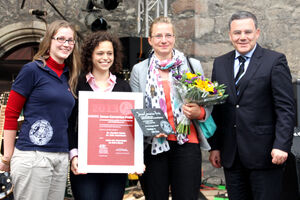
(110, 132)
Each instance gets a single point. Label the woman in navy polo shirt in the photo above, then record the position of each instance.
(101, 58)
(45, 90)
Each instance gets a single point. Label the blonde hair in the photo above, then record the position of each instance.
(161, 19)
(72, 62)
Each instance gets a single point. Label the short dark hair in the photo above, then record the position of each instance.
(243, 15)
(92, 41)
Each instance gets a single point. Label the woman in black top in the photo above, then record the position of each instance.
(101, 58)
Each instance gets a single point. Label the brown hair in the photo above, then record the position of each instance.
(73, 61)
(92, 41)
(161, 19)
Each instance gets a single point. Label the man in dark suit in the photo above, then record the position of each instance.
(255, 125)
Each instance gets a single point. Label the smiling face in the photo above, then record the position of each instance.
(243, 35)
(103, 57)
(61, 51)
(162, 40)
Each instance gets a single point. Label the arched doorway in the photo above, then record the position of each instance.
(18, 43)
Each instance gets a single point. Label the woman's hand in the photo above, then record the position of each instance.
(191, 110)
(161, 135)
(74, 166)
(140, 174)
(4, 165)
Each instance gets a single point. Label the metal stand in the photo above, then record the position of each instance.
(146, 13)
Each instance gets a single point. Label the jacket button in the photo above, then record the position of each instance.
(237, 106)
(234, 126)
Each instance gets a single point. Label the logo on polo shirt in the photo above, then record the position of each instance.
(41, 132)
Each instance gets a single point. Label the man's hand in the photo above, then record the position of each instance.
(215, 158)
(278, 156)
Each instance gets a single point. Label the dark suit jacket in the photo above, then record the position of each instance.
(261, 117)
(120, 86)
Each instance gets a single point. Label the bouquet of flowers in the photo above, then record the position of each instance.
(194, 88)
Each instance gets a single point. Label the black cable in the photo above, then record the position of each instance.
(23, 2)
(205, 181)
(53, 6)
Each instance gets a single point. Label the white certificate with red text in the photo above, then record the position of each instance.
(109, 139)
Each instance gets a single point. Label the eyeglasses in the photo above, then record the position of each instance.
(63, 40)
(160, 36)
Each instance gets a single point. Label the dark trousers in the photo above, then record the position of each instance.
(290, 184)
(179, 168)
(253, 184)
(98, 186)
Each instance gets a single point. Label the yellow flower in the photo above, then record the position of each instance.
(209, 88)
(190, 75)
(199, 83)
(204, 85)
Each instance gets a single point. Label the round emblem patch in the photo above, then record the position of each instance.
(166, 127)
(41, 132)
(125, 108)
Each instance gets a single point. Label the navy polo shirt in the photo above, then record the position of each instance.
(49, 103)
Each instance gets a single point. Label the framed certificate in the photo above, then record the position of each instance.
(109, 139)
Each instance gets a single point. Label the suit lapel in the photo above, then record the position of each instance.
(230, 76)
(252, 68)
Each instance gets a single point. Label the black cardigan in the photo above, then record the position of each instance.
(120, 86)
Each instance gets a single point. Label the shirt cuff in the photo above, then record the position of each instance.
(73, 153)
(202, 114)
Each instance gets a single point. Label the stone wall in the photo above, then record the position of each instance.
(201, 25)
(203, 28)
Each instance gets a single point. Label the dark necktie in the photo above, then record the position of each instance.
(242, 61)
